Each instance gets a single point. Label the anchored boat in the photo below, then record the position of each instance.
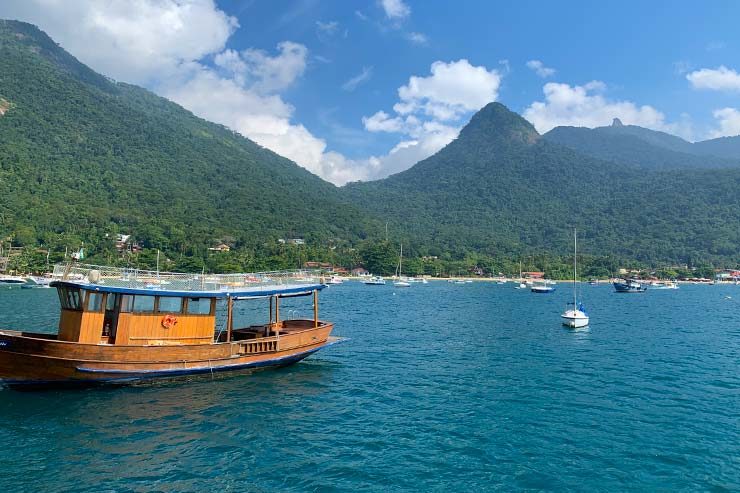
(629, 286)
(120, 326)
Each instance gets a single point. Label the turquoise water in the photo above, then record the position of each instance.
(442, 387)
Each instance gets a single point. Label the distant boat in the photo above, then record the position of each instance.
(629, 286)
(575, 317)
(375, 281)
(664, 285)
(42, 281)
(522, 285)
(333, 280)
(12, 280)
(402, 282)
(543, 287)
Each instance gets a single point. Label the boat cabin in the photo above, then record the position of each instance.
(110, 315)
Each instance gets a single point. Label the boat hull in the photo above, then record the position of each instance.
(37, 362)
(629, 287)
(542, 289)
(574, 319)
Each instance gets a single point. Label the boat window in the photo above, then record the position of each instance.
(110, 304)
(143, 304)
(94, 302)
(69, 298)
(169, 304)
(199, 306)
(126, 302)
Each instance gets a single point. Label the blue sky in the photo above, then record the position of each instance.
(329, 84)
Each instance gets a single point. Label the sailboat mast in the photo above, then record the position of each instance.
(575, 268)
(400, 259)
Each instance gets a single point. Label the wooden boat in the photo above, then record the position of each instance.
(113, 329)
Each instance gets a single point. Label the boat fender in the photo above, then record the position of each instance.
(169, 321)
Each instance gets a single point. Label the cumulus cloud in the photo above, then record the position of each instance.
(139, 41)
(430, 112)
(719, 79)
(395, 9)
(360, 78)
(586, 106)
(451, 90)
(729, 122)
(539, 68)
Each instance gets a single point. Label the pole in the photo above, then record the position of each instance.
(575, 269)
(277, 312)
(315, 308)
(229, 317)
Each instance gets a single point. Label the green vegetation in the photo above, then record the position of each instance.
(637, 146)
(82, 157)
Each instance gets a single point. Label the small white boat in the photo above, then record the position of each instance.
(543, 288)
(334, 280)
(664, 285)
(575, 317)
(401, 281)
(521, 286)
(375, 281)
(12, 280)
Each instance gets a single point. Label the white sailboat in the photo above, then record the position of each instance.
(521, 285)
(575, 317)
(401, 282)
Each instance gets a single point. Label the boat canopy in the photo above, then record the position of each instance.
(106, 279)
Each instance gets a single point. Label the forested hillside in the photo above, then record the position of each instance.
(82, 156)
(648, 149)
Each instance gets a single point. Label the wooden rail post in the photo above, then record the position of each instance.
(229, 317)
(316, 308)
(277, 312)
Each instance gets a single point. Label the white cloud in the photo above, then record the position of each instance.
(540, 69)
(451, 90)
(586, 106)
(417, 38)
(395, 9)
(719, 79)
(329, 27)
(272, 74)
(138, 41)
(429, 113)
(729, 122)
(360, 78)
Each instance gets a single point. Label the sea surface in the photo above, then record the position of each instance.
(440, 387)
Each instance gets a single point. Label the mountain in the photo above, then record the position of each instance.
(500, 187)
(728, 147)
(643, 148)
(82, 156)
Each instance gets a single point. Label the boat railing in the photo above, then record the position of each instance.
(260, 345)
(179, 281)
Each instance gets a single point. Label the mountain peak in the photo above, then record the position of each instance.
(495, 121)
(617, 123)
